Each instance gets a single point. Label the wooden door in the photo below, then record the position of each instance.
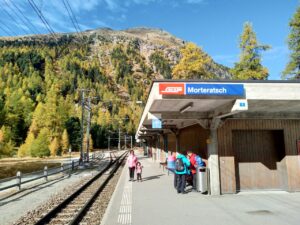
(259, 159)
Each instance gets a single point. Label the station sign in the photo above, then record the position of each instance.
(156, 124)
(171, 88)
(201, 89)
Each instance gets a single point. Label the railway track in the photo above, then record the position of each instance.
(75, 209)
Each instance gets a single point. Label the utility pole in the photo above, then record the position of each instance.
(108, 143)
(119, 142)
(83, 107)
(131, 142)
(82, 124)
(88, 129)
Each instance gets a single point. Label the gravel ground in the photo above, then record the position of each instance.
(97, 210)
(23, 203)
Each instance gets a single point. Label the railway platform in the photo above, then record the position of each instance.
(155, 202)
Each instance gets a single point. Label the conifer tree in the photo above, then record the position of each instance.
(40, 146)
(6, 144)
(65, 142)
(292, 70)
(249, 67)
(25, 149)
(193, 64)
(54, 147)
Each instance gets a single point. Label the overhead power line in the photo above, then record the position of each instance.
(20, 18)
(33, 28)
(41, 16)
(8, 28)
(12, 18)
(1, 28)
(70, 16)
(78, 28)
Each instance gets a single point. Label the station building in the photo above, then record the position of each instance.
(248, 132)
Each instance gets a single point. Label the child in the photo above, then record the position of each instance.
(139, 171)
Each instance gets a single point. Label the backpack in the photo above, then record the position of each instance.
(199, 161)
(179, 165)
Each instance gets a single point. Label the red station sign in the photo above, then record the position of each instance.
(171, 88)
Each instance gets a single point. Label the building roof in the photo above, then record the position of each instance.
(181, 103)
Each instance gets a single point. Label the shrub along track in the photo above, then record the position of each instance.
(84, 206)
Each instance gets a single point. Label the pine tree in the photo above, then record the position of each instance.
(65, 142)
(193, 64)
(249, 67)
(6, 144)
(25, 149)
(292, 70)
(1, 136)
(54, 147)
(39, 147)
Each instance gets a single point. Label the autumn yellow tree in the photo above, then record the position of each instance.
(193, 64)
(54, 147)
(25, 149)
(65, 142)
(249, 67)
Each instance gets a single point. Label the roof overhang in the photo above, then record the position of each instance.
(179, 103)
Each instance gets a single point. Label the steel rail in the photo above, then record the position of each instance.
(52, 213)
(82, 212)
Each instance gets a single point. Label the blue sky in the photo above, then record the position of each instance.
(215, 25)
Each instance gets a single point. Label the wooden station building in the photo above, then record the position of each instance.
(247, 131)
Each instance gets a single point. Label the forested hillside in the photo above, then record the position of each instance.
(40, 78)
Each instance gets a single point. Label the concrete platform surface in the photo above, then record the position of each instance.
(155, 202)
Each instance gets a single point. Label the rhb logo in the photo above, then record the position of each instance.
(171, 89)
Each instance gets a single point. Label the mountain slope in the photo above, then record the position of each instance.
(40, 77)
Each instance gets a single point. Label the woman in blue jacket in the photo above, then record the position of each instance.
(182, 164)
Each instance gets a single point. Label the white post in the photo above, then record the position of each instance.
(213, 163)
(46, 173)
(19, 175)
(119, 142)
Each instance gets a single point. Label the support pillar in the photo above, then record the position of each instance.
(157, 145)
(213, 163)
(177, 142)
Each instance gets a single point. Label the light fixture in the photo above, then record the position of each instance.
(186, 107)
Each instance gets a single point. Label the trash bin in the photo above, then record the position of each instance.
(201, 179)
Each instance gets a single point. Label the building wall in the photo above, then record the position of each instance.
(194, 138)
(171, 143)
(290, 163)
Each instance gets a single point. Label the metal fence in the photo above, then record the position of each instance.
(20, 179)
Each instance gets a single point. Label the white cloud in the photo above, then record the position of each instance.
(84, 5)
(226, 59)
(276, 52)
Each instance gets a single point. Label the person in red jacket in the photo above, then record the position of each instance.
(192, 159)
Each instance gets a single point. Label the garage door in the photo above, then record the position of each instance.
(259, 159)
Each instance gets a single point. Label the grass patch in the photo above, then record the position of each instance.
(10, 169)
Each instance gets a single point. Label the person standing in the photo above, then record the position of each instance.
(131, 162)
(192, 158)
(181, 169)
(139, 169)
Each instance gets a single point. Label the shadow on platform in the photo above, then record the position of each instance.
(153, 177)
